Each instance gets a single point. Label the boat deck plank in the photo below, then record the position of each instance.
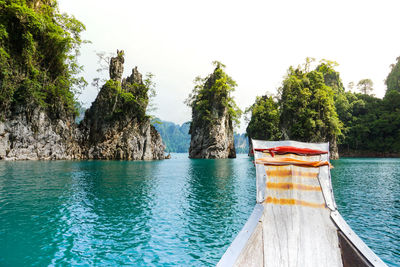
(297, 229)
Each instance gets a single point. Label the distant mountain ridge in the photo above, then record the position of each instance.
(177, 138)
(241, 143)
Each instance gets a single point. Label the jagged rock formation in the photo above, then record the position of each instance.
(212, 137)
(115, 127)
(117, 66)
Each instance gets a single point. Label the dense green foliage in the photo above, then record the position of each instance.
(212, 95)
(130, 99)
(331, 76)
(38, 56)
(393, 79)
(370, 124)
(177, 138)
(313, 106)
(307, 106)
(304, 109)
(264, 124)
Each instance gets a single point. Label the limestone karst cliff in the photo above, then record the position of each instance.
(213, 112)
(30, 133)
(214, 140)
(115, 126)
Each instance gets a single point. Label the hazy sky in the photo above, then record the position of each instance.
(256, 40)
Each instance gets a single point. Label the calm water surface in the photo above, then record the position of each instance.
(162, 213)
(367, 193)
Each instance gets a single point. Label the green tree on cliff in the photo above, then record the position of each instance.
(264, 119)
(307, 107)
(214, 90)
(365, 86)
(38, 56)
(331, 76)
(393, 79)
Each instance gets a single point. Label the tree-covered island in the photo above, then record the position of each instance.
(312, 105)
(213, 114)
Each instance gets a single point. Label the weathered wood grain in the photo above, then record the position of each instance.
(297, 233)
(252, 254)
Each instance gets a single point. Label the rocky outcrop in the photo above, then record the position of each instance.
(115, 127)
(213, 142)
(30, 134)
(130, 141)
(117, 66)
(212, 138)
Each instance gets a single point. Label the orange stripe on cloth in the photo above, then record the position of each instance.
(290, 173)
(289, 186)
(290, 161)
(292, 201)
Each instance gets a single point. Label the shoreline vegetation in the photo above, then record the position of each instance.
(40, 81)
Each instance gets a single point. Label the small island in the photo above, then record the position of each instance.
(116, 125)
(213, 113)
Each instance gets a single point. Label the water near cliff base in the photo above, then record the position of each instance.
(162, 213)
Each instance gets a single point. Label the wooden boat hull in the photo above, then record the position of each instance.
(295, 221)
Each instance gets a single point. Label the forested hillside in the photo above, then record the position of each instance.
(304, 109)
(175, 137)
(313, 106)
(38, 57)
(241, 143)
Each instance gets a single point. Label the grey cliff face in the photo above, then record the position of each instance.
(102, 134)
(36, 136)
(212, 140)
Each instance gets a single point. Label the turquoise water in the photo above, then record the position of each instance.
(163, 213)
(367, 193)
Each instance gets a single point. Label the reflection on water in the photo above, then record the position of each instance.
(214, 211)
(99, 205)
(174, 212)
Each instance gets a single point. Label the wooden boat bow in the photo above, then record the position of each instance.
(295, 221)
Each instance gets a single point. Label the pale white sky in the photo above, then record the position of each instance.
(177, 40)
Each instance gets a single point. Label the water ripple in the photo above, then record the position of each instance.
(367, 193)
